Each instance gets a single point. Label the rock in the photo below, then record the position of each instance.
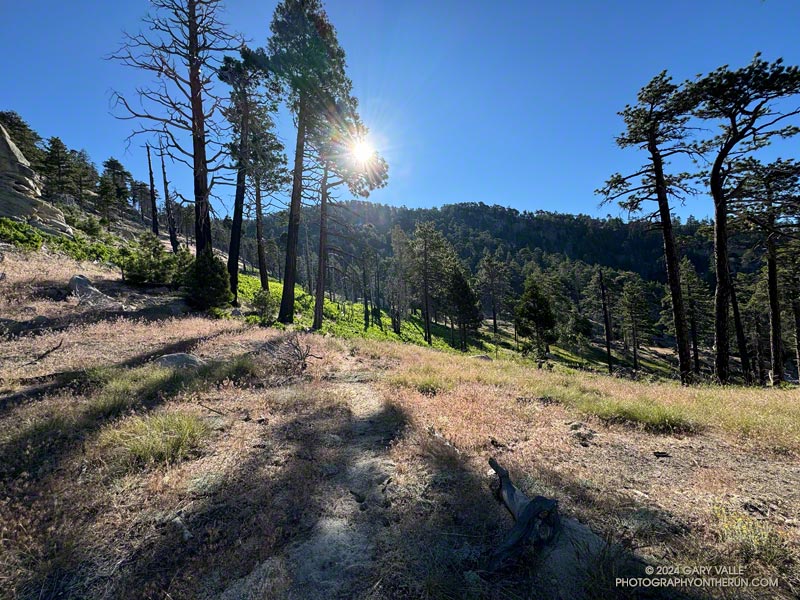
(481, 357)
(237, 312)
(179, 360)
(82, 287)
(20, 191)
(178, 523)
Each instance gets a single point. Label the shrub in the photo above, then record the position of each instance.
(21, 235)
(90, 226)
(267, 306)
(217, 313)
(207, 283)
(748, 538)
(82, 249)
(148, 262)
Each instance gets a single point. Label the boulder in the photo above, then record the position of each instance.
(21, 190)
(179, 360)
(82, 287)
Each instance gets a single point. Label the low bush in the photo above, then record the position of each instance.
(267, 306)
(80, 248)
(148, 262)
(21, 235)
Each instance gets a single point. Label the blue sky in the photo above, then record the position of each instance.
(510, 102)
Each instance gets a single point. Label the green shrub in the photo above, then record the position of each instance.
(267, 306)
(80, 248)
(217, 313)
(148, 262)
(21, 235)
(90, 226)
(207, 283)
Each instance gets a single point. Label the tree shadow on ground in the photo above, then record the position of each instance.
(316, 509)
(245, 516)
(81, 380)
(39, 447)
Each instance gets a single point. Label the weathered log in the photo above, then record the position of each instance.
(536, 521)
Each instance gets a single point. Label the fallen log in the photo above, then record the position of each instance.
(537, 521)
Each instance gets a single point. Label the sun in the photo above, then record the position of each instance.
(362, 151)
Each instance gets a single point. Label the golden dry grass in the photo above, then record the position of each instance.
(765, 417)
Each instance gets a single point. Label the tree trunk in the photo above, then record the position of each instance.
(607, 324)
(153, 207)
(202, 219)
(307, 254)
(262, 253)
(741, 340)
(286, 313)
(319, 299)
(796, 314)
(173, 232)
(238, 197)
(673, 266)
(775, 334)
(376, 301)
(426, 293)
(758, 367)
(693, 325)
(494, 316)
(365, 291)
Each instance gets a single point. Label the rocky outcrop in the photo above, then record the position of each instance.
(20, 191)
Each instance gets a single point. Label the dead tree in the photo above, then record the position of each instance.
(181, 50)
(153, 206)
(173, 231)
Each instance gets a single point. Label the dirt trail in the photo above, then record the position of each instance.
(336, 559)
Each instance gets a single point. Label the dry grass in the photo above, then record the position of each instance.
(768, 418)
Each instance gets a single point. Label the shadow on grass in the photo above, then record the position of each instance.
(81, 380)
(286, 521)
(38, 448)
(269, 503)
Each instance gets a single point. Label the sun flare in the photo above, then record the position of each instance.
(362, 151)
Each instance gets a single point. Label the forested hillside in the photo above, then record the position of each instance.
(233, 365)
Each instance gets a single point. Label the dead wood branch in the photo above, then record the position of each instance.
(45, 354)
(536, 521)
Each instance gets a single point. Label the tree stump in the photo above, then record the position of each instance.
(537, 521)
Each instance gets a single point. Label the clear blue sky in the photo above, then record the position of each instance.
(510, 102)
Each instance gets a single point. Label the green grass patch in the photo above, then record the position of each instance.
(427, 380)
(158, 439)
(346, 320)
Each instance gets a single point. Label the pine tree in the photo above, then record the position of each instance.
(56, 168)
(534, 317)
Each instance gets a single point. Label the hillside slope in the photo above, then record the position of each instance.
(291, 463)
